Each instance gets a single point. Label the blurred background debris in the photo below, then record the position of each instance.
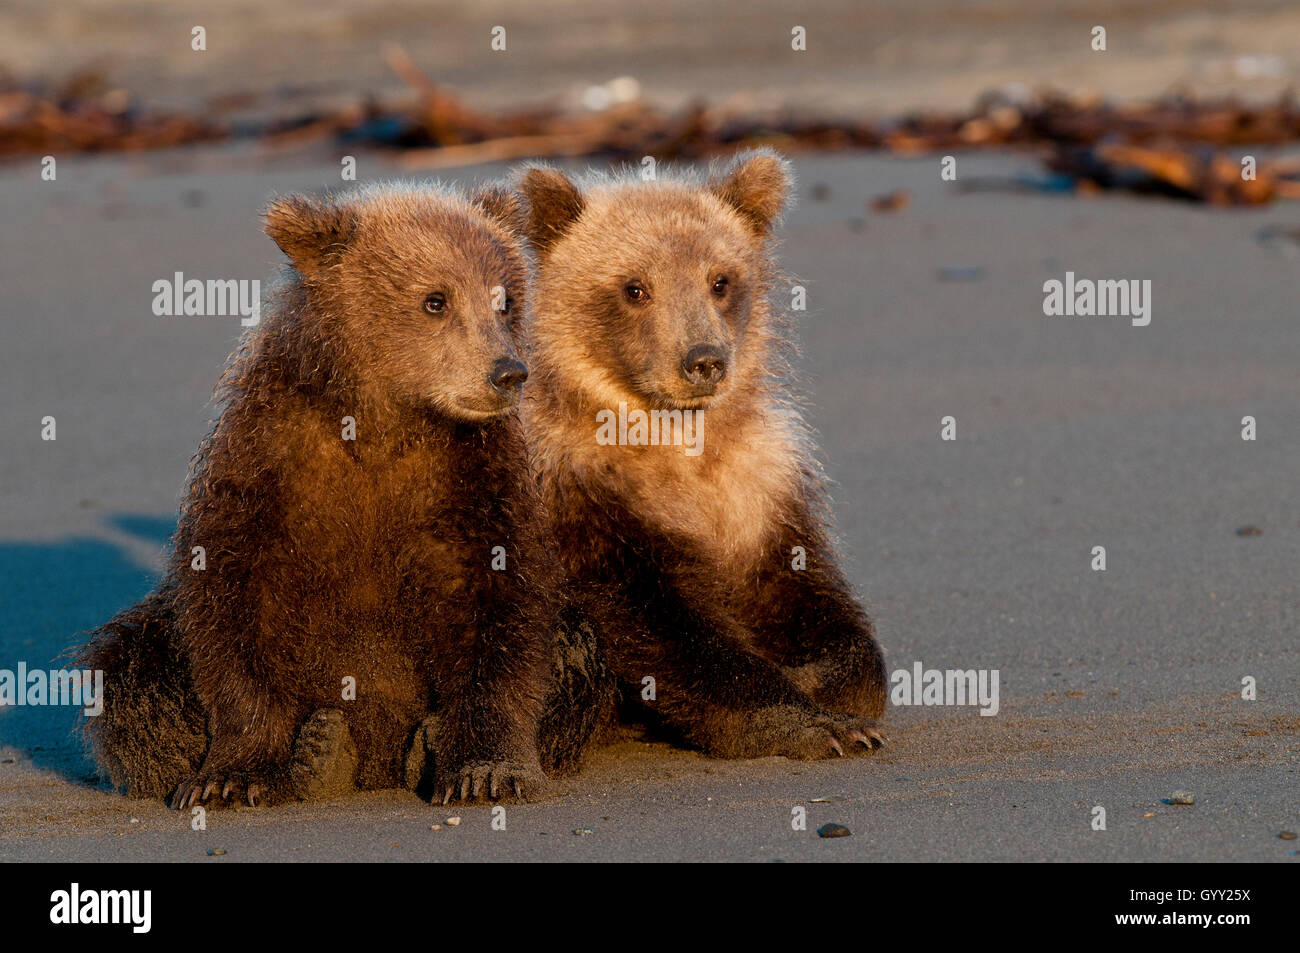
(1174, 146)
(1179, 94)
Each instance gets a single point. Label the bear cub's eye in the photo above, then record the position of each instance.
(635, 291)
(720, 285)
(436, 303)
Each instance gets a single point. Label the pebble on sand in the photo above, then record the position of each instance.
(453, 822)
(961, 273)
(1180, 797)
(833, 830)
(891, 202)
(1250, 531)
(583, 831)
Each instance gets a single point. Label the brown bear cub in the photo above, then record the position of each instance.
(369, 532)
(686, 501)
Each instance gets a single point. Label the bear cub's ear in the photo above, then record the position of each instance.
(756, 184)
(310, 231)
(554, 203)
(504, 207)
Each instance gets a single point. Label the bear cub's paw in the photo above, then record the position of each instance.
(225, 788)
(493, 780)
(810, 734)
(324, 757)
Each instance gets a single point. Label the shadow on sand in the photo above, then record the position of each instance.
(51, 596)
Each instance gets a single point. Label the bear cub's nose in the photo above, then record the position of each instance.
(704, 365)
(507, 374)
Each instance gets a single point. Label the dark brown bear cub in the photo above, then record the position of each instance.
(683, 486)
(359, 533)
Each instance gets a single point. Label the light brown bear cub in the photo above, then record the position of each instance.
(703, 553)
(367, 520)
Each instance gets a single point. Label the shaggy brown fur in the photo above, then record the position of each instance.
(369, 558)
(657, 295)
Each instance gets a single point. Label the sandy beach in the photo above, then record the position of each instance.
(1117, 688)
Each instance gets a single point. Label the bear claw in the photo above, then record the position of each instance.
(234, 789)
(808, 735)
(494, 779)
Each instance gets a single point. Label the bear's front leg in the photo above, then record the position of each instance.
(485, 740)
(247, 759)
(838, 661)
(805, 617)
(728, 700)
(252, 721)
(482, 752)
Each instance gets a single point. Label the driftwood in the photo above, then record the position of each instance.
(82, 116)
(1199, 174)
(1175, 146)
